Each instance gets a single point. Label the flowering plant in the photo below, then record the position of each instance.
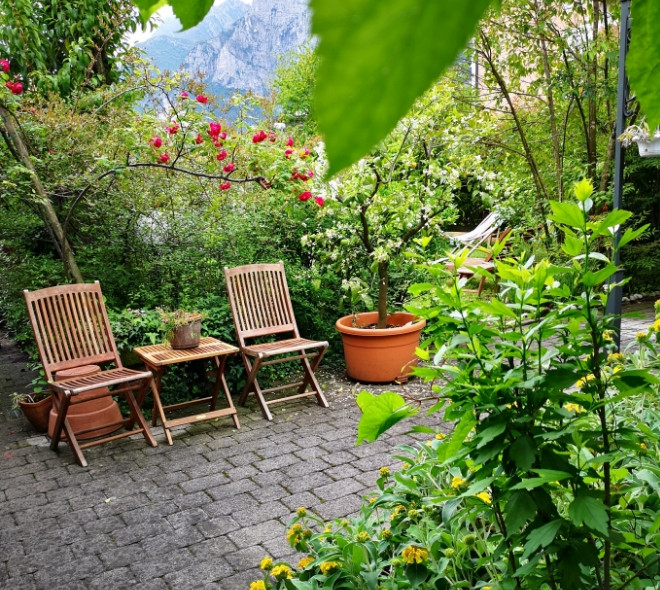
(637, 133)
(389, 205)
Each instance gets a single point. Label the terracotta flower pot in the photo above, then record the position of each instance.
(95, 413)
(380, 355)
(187, 335)
(37, 412)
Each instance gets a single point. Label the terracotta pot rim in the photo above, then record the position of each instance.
(344, 324)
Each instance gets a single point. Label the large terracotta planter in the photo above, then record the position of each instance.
(95, 413)
(37, 412)
(380, 355)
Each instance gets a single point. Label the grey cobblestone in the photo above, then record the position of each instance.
(197, 515)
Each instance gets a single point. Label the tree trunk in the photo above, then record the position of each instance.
(48, 213)
(383, 268)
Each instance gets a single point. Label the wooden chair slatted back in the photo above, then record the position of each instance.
(260, 301)
(71, 327)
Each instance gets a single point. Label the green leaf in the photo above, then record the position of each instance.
(523, 452)
(541, 537)
(148, 7)
(590, 279)
(463, 428)
(589, 511)
(545, 476)
(376, 59)
(379, 413)
(520, 508)
(643, 60)
(567, 213)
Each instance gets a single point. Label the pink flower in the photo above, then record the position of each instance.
(201, 98)
(289, 141)
(4, 65)
(172, 129)
(306, 196)
(217, 143)
(156, 141)
(222, 135)
(288, 152)
(310, 174)
(303, 153)
(16, 88)
(225, 185)
(199, 139)
(214, 129)
(9, 84)
(229, 167)
(272, 136)
(184, 94)
(221, 156)
(164, 158)
(319, 201)
(259, 137)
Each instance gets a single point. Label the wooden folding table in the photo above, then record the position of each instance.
(159, 356)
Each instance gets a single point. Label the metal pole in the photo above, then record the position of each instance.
(622, 112)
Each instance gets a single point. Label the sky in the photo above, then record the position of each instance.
(162, 14)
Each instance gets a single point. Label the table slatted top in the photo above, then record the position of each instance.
(158, 355)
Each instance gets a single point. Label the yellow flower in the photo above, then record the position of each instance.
(293, 535)
(485, 496)
(580, 383)
(640, 336)
(304, 562)
(328, 528)
(608, 335)
(373, 499)
(412, 554)
(486, 588)
(428, 443)
(327, 567)
(281, 572)
(656, 326)
(457, 482)
(362, 537)
(266, 563)
(386, 534)
(642, 446)
(258, 585)
(574, 408)
(615, 357)
(405, 466)
(440, 436)
(384, 471)
(301, 512)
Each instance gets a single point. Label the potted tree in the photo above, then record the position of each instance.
(378, 212)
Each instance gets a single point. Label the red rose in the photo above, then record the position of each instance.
(229, 167)
(184, 94)
(259, 137)
(172, 129)
(222, 135)
(289, 141)
(319, 201)
(306, 196)
(214, 129)
(201, 98)
(221, 156)
(225, 185)
(9, 84)
(288, 152)
(199, 139)
(4, 65)
(164, 158)
(156, 141)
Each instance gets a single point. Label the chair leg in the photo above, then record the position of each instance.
(62, 423)
(139, 417)
(253, 384)
(316, 386)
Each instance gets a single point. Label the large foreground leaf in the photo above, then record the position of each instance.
(643, 60)
(380, 412)
(376, 59)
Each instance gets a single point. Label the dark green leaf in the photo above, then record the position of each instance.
(376, 59)
(520, 508)
(541, 537)
(190, 13)
(523, 452)
(589, 511)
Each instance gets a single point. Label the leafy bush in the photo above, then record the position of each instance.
(545, 481)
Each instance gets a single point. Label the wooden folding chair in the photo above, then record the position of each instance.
(71, 328)
(262, 310)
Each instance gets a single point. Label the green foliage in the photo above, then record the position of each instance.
(64, 47)
(548, 424)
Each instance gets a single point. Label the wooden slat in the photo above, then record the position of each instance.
(159, 355)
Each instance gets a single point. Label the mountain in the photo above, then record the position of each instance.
(168, 47)
(236, 46)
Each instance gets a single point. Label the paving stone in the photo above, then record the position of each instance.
(338, 489)
(263, 531)
(340, 508)
(260, 513)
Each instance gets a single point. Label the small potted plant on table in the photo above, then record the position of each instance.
(183, 329)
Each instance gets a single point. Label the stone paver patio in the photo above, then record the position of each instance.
(200, 514)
